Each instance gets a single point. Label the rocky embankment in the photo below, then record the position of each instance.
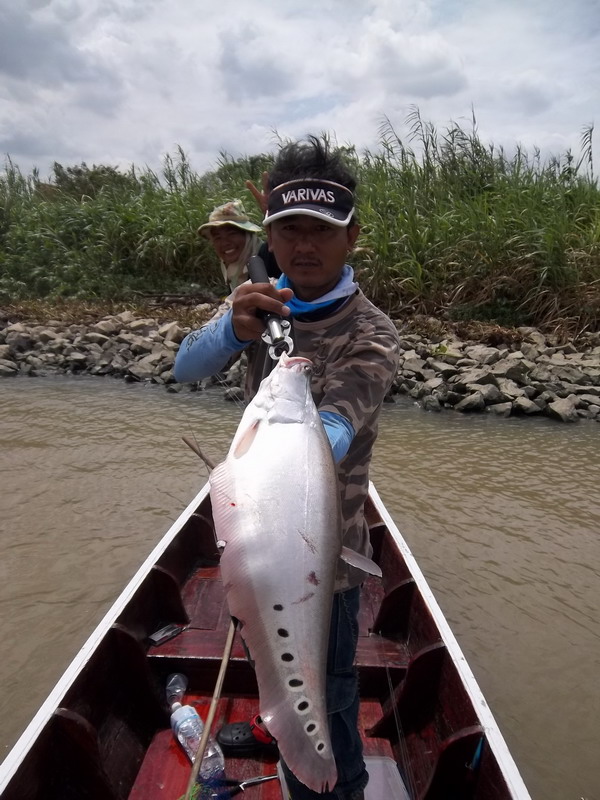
(530, 374)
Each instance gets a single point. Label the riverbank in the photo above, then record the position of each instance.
(464, 367)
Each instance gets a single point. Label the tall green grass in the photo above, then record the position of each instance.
(451, 227)
(93, 232)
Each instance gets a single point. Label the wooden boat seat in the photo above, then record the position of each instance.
(204, 637)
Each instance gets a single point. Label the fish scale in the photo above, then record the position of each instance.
(276, 507)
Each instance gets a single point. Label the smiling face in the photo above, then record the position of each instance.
(228, 241)
(311, 252)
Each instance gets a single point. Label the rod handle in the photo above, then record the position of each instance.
(257, 270)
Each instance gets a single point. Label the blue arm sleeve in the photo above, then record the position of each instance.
(205, 351)
(339, 432)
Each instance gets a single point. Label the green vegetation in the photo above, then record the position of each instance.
(451, 227)
(98, 233)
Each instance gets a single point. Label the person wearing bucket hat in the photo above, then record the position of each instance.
(235, 239)
(311, 227)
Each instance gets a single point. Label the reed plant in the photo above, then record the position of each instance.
(95, 232)
(451, 227)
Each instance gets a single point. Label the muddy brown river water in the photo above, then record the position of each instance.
(502, 515)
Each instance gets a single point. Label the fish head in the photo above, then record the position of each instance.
(284, 395)
(295, 364)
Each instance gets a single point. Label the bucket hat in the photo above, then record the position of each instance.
(231, 213)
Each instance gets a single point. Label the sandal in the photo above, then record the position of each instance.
(245, 738)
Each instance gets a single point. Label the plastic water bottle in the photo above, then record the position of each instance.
(187, 727)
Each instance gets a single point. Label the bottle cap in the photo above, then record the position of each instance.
(184, 712)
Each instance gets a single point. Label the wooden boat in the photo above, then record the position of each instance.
(103, 733)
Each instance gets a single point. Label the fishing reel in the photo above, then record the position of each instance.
(277, 337)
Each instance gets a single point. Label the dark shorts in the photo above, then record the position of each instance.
(342, 705)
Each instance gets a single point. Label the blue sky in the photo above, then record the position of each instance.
(125, 81)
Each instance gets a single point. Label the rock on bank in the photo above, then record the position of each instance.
(121, 345)
(533, 374)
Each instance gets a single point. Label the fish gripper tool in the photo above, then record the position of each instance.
(277, 333)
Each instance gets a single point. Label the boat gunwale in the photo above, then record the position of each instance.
(25, 742)
(506, 762)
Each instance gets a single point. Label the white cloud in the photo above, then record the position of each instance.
(119, 81)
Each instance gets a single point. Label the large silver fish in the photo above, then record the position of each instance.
(276, 508)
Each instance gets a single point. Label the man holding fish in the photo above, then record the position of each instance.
(296, 544)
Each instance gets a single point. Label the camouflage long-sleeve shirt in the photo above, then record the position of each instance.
(355, 352)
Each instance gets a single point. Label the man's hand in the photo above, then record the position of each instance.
(250, 298)
(260, 197)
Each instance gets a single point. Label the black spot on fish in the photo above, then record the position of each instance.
(287, 657)
(282, 632)
(277, 607)
(294, 682)
(312, 578)
(302, 706)
(310, 727)
(321, 747)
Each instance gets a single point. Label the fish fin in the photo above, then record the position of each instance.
(224, 511)
(244, 443)
(361, 562)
